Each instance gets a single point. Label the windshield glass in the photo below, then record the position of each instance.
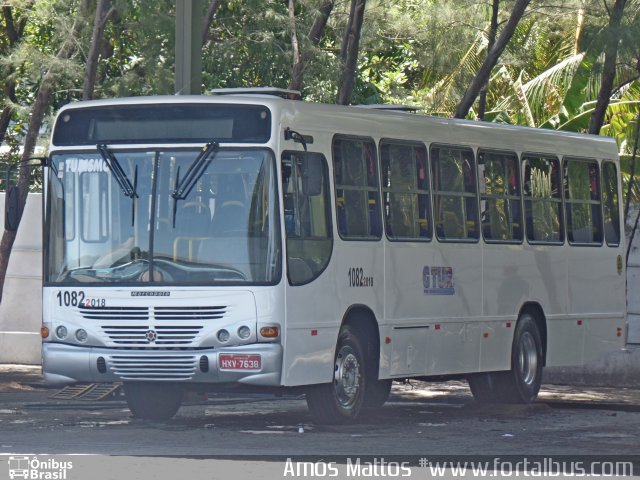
(224, 230)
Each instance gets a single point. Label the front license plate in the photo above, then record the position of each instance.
(228, 361)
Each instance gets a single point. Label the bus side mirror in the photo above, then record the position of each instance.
(312, 175)
(12, 209)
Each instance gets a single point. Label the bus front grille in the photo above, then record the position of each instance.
(152, 336)
(172, 314)
(115, 313)
(189, 313)
(151, 367)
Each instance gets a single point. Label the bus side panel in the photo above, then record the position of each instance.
(406, 308)
(599, 301)
(315, 311)
(565, 341)
(456, 344)
(311, 330)
(507, 286)
(437, 286)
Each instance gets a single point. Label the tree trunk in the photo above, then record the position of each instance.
(609, 68)
(208, 20)
(320, 22)
(579, 29)
(315, 35)
(37, 114)
(45, 92)
(298, 65)
(14, 34)
(103, 12)
(492, 58)
(349, 51)
(493, 31)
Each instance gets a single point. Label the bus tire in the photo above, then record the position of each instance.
(526, 360)
(484, 387)
(153, 400)
(377, 393)
(342, 400)
(522, 383)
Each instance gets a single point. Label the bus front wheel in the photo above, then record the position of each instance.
(342, 400)
(522, 383)
(153, 400)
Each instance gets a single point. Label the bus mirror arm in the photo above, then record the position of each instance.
(298, 137)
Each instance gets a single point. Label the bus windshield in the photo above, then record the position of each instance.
(222, 229)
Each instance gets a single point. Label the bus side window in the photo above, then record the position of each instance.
(357, 197)
(610, 203)
(307, 218)
(454, 193)
(582, 201)
(500, 210)
(405, 177)
(543, 199)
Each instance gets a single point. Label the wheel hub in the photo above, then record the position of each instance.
(347, 377)
(528, 359)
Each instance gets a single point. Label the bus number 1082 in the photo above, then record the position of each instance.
(358, 279)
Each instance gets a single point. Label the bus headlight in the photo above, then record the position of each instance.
(223, 336)
(81, 335)
(244, 332)
(61, 332)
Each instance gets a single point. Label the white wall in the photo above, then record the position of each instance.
(633, 287)
(21, 307)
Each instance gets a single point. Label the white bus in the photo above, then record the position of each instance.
(251, 240)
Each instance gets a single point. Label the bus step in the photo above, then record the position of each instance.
(88, 391)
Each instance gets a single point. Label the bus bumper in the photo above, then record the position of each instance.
(66, 364)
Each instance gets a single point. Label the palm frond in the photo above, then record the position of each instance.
(442, 96)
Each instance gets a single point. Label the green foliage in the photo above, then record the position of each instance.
(421, 52)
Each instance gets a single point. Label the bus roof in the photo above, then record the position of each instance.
(391, 123)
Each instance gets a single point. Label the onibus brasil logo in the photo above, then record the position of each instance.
(35, 469)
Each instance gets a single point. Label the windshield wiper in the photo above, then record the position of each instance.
(112, 163)
(195, 171)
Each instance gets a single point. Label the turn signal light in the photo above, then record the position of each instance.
(44, 332)
(270, 332)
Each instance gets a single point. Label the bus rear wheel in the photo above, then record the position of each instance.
(153, 400)
(522, 383)
(342, 400)
(377, 393)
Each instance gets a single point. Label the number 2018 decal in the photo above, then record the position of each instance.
(357, 278)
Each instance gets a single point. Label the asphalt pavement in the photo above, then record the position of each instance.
(24, 383)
